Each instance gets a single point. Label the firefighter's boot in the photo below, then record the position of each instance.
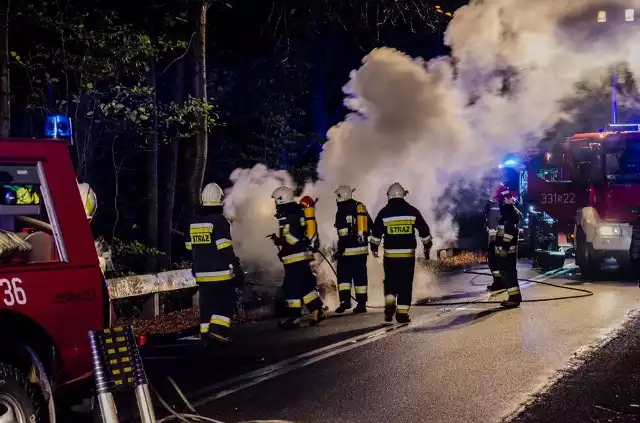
(360, 308)
(344, 306)
(317, 316)
(403, 318)
(290, 323)
(509, 304)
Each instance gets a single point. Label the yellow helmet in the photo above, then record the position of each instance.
(89, 200)
(212, 195)
(396, 191)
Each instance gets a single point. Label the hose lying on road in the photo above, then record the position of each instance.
(192, 417)
(476, 271)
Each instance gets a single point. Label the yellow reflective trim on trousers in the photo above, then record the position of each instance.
(204, 327)
(402, 309)
(361, 289)
(390, 300)
(220, 320)
(294, 303)
(514, 290)
(310, 297)
(399, 255)
(344, 287)
(356, 251)
(223, 275)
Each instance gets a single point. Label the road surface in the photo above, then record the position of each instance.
(466, 363)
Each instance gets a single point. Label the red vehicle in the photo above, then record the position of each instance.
(595, 194)
(52, 291)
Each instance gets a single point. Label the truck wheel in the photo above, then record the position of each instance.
(585, 258)
(19, 399)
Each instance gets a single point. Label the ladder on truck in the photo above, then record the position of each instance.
(117, 367)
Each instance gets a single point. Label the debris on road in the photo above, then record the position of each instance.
(459, 261)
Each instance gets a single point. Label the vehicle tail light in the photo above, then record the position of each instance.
(141, 340)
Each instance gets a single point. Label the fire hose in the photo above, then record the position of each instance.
(477, 271)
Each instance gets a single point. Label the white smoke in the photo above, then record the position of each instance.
(446, 122)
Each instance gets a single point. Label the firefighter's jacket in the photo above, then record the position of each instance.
(508, 228)
(210, 243)
(396, 225)
(292, 241)
(353, 224)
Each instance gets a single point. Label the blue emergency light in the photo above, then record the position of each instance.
(625, 126)
(58, 126)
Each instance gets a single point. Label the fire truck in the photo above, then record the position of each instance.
(594, 195)
(52, 290)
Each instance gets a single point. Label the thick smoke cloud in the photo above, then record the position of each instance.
(445, 123)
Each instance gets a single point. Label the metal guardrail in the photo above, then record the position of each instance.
(151, 286)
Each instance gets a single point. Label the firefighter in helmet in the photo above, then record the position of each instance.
(215, 266)
(396, 224)
(506, 246)
(492, 216)
(352, 223)
(300, 283)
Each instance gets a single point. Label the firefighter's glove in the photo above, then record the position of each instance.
(274, 238)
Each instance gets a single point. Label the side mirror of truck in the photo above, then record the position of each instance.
(584, 172)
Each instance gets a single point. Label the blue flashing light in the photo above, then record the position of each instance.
(58, 126)
(510, 162)
(625, 126)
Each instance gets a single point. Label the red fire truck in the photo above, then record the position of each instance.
(52, 291)
(595, 194)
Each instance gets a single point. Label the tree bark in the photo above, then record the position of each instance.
(5, 89)
(170, 174)
(152, 156)
(196, 178)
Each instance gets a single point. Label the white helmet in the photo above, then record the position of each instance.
(343, 193)
(212, 195)
(283, 195)
(396, 191)
(89, 200)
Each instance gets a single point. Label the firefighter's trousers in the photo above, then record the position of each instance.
(300, 288)
(352, 269)
(493, 260)
(509, 273)
(398, 284)
(217, 302)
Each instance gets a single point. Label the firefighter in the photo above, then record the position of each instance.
(506, 246)
(89, 200)
(215, 265)
(352, 223)
(492, 213)
(300, 283)
(396, 225)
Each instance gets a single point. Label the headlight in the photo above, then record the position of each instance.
(610, 231)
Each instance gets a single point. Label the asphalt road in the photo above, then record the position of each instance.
(463, 363)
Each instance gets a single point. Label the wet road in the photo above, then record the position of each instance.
(467, 363)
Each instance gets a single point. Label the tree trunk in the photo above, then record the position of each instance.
(170, 174)
(196, 178)
(5, 90)
(152, 159)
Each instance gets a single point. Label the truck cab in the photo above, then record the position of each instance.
(597, 195)
(52, 290)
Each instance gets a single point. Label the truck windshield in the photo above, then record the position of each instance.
(622, 161)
